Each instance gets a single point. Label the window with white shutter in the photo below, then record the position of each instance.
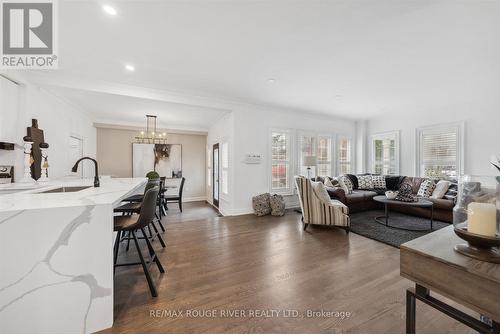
(385, 153)
(281, 160)
(440, 151)
(344, 155)
(325, 155)
(307, 147)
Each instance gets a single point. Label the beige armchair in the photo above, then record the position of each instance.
(318, 208)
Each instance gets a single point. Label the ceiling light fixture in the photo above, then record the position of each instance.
(150, 135)
(130, 68)
(109, 10)
(271, 80)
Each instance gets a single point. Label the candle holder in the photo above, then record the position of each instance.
(28, 161)
(44, 165)
(476, 217)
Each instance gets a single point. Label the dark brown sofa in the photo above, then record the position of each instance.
(362, 200)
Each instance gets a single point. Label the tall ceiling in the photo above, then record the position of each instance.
(355, 59)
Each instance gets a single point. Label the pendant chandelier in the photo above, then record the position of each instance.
(150, 135)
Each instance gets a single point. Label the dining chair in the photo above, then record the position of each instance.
(133, 224)
(177, 198)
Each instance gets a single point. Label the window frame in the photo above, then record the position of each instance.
(351, 155)
(289, 162)
(459, 127)
(397, 154)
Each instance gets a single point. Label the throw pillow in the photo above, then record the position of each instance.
(452, 192)
(328, 182)
(354, 180)
(346, 184)
(365, 182)
(379, 182)
(440, 189)
(319, 179)
(277, 205)
(320, 191)
(261, 205)
(335, 181)
(393, 182)
(426, 188)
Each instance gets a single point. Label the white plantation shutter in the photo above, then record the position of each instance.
(280, 161)
(307, 147)
(344, 155)
(324, 156)
(385, 153)
(440, 151)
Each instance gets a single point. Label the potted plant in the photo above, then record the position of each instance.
(152, 175)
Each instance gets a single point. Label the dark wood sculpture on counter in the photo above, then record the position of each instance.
(36, 135)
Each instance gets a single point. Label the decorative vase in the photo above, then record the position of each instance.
(476, 217)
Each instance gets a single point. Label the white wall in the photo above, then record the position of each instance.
(482, 134)
(247, 129)
(223, 131)
(361, 144)
(57, 118)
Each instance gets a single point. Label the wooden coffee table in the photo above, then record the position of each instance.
(421, 203)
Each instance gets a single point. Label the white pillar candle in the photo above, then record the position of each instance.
(482, 219)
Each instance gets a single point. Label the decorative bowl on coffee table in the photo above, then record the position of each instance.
(391, 194)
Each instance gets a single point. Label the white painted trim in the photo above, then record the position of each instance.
(383, 135)
(194, 199)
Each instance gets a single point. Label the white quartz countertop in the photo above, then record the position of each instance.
(111, 191)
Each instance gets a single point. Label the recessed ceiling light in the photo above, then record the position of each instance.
(271, 80)
(130, 68)
(109, 10)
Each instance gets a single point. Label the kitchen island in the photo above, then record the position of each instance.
(56, 256)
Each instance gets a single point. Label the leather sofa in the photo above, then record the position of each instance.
(362, 200)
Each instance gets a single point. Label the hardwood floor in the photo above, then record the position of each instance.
(249, 263)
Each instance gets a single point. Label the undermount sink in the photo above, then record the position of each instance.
(65, 190)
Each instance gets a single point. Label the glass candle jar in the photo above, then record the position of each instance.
(477, 208)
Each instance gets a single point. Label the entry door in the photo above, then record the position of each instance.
(215, 169)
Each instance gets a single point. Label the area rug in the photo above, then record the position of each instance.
(363, 223)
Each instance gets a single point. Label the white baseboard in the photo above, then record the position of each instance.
(194, 199)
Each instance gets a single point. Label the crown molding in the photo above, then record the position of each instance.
(177, 130)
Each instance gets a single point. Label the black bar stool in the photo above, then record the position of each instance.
(134, 206)
(134, 223)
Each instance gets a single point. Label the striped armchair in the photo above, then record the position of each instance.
(317, 208)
